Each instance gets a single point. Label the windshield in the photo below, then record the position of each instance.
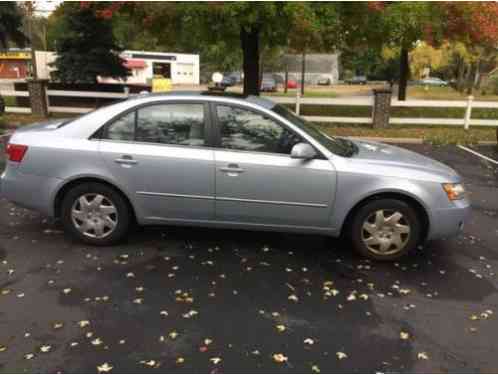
(338, 146)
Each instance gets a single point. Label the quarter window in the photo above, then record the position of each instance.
(246, 130)
(177, 124)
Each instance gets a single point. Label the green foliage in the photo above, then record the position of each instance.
(11, 25)
(87, 48)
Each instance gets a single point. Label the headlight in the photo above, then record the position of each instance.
(454, 191)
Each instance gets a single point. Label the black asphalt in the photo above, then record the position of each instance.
(250, 295)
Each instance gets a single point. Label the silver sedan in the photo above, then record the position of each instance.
(231, 162)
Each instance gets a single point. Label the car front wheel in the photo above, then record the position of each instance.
(95, 214)
(385, 229)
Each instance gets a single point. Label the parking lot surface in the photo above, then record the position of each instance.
(198, 300)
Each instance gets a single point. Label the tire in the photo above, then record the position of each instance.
(95, 214)
(388, 235)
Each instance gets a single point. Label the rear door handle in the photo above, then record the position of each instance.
(126, 160)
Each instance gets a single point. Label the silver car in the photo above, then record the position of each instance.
(232, 162)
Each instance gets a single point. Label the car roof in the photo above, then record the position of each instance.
(203, 95)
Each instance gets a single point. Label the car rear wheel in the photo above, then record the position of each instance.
(385, 229)
(95, 214)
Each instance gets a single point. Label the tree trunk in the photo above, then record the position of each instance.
(460, 75)
(470, 79)
(303, 71)
(286, 79)
(250, 51)
(477, 77)
(404, 71)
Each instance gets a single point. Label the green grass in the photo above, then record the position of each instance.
(444, 93)
(415, 112)
(431, 133)
(307, 94)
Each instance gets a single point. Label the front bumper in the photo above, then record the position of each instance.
(449, 222)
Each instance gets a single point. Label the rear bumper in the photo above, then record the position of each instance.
(449, 222)
(29, 191)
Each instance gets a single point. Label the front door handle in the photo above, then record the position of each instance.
(232, 169)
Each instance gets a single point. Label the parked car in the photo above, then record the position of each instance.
(291, 84)
(433, 81)
(228, 161)
(268, 85)
(357, 80)
(324, 81)
(236, 77)
(228, 81)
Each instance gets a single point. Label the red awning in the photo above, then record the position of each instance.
(135, 64)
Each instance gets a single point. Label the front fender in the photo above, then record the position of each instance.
(354, 188)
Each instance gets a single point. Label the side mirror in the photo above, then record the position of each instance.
(303, 151)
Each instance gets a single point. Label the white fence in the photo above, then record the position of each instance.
(61, 109)
(366, 101)
(466, 121)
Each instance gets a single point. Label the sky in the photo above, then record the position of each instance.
(45, 7)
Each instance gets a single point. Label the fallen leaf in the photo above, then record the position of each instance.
(215, 360)
(45, 348)
(341, 355)
(2, 348)
(293, 297)
(29, 356)
(280, 328)
(83, 323)
(207, 341)
(309, 341)
(150, 363)
(97, 342)
(422, 355)
(66, 290)
(404, 335)
(180, 360)
(173, 335)
(105, 367)
(279, 357)
(315, 368)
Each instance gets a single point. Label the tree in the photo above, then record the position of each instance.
(403, 24)
(87, 48)
(312, 28)
(425, 56)
(11, 25)
(472, 27)
(246, 25)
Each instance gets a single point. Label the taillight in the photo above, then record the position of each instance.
(16, 152)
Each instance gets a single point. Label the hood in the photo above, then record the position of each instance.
(48, 125)
(373, 153)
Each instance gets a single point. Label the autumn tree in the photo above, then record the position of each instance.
(473, 29)
(402, 25)
(245, 26)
